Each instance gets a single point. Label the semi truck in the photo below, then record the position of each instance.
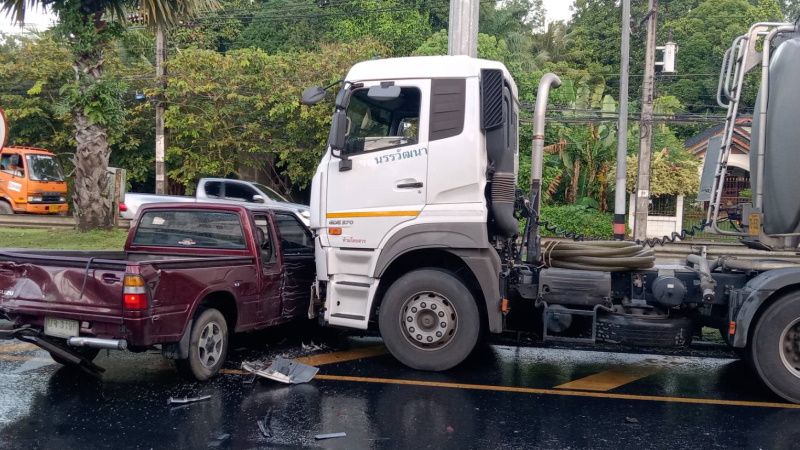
(31, 182)
(417, 214)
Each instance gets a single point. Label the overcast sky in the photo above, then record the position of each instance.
(558, 9)
(36, 18)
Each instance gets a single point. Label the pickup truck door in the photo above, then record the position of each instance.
(297, 251)
(270, 304)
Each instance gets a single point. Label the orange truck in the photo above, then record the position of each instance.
(31, 181)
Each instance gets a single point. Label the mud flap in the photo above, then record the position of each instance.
(180, 349)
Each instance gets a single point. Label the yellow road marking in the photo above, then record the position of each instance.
(24, 358)
(343, 215)
(483, 387)
(610, 379)
(17, 348)
(330, 358)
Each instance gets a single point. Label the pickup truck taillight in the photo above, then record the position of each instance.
(134, 293)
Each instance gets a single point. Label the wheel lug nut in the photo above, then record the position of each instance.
(443, 325)
(419, 337)
(441, 313)
(409, 319)
(413, 310)
(433, 305)
(430, 339)
(423, 305)
(412, 329)
(438, 334)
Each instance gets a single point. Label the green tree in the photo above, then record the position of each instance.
(93, 99)
(226, 110)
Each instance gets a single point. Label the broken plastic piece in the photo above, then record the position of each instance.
(185, 400)
(250, 379)
(285, 371)
(329, 436)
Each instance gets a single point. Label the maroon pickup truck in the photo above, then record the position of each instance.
(189, 275)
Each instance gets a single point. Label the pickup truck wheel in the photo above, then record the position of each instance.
(5, 208)
(87, 352)
(429, 320)
(774, 350)
(208, 346)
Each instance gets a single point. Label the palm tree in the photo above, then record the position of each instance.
(94, 100)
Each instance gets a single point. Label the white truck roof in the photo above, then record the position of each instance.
(424, 67)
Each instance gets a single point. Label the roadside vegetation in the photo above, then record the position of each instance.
(58, 239)
(235, 75)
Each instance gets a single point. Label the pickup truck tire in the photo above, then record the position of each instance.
(87, 352)
(774, 350)
(429, 320)
(208, 346)
(5, 208)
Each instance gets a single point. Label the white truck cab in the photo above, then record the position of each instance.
(403, 185)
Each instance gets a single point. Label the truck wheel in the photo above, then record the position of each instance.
(429, 320)
(638, 331)
(5, 208)
(774, 350)
(87, 352)
(208, 346)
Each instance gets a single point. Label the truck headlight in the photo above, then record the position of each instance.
(34, 198)
(62, 199)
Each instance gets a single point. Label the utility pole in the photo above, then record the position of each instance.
(161, 142)
(646, 127)
(620, 193)
(462, 37)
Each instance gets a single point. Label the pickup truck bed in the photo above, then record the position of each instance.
(233, 267)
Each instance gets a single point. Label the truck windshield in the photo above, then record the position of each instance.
(269, 193)
(190, 229)
(44, 168)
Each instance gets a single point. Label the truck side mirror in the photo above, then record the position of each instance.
(338, 131)
(313, 95)
(258, 198)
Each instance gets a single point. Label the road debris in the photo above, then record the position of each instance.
(218, 440)
(264, 425)
(631, 420)
(312, 347)
(284, 370)
(185, 400)
(320, 437)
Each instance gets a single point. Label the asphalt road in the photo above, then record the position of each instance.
(505, 397)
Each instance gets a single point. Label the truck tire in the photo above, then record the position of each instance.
(5, 208)
(208, 346)
(87, 352)
(774, 349)
(429, 320)
(638, 331)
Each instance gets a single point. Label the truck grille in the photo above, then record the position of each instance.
(51, 197)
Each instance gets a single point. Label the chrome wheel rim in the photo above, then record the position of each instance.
(209, 346)
(429, 320)
(790, 348)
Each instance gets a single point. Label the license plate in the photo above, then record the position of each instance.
(60, 327)
(52, 208)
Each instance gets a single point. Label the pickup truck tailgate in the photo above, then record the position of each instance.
(66, 288)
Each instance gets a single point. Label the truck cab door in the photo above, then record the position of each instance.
(387, 143)
(12, 180)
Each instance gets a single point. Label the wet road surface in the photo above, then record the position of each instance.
(505, 397)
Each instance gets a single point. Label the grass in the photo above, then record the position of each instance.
(62, 239)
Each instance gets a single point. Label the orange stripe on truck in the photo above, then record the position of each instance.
(343, 215)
